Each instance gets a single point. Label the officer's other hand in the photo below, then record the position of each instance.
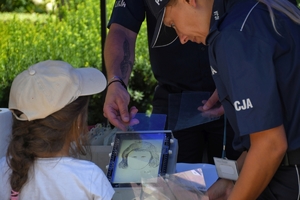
(212, 107)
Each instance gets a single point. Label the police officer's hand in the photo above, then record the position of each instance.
(116, 107)
(220, 190)
(212, 107)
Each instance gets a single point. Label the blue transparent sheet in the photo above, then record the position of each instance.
(183, 110)
(150, 122)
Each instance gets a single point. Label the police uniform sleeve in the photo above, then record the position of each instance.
(248, 78)
(128, 13)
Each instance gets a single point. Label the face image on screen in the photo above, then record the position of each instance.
(137, 159)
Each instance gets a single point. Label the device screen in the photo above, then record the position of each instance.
(137, 156)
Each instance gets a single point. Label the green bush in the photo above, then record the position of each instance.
(74, 39)
(25, 6)
(16, 5)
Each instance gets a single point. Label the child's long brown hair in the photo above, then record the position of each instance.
(43, 136)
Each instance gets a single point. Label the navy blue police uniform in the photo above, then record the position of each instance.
(259, 85)
(189, 73)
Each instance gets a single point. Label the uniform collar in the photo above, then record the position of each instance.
(214, 31)
(220, 9)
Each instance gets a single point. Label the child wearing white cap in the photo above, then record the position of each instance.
(49, 102)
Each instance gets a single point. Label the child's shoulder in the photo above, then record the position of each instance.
(65, 162)
(77, 161)
(87, 165)
(69, 165)
(84, 162)
(90, 169)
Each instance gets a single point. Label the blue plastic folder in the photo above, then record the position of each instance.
(150, 122)
(183, 110)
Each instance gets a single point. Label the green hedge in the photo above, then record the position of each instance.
(75, 39)
(26, 39)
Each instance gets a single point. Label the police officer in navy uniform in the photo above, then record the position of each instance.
(177, 68)
(254, 55)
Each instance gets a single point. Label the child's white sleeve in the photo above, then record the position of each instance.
(101, 188)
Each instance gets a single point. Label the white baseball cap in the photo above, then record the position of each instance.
(49, 86)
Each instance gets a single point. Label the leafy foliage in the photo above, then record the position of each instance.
(20, 6)
(71, 35)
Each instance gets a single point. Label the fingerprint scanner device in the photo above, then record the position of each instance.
(138, 156)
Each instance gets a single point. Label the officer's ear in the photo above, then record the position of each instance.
(191, 2)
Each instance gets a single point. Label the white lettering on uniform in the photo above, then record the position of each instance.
(216, 15)
(213, 71)
(158, 2)
(120, 3)
(246, 104)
